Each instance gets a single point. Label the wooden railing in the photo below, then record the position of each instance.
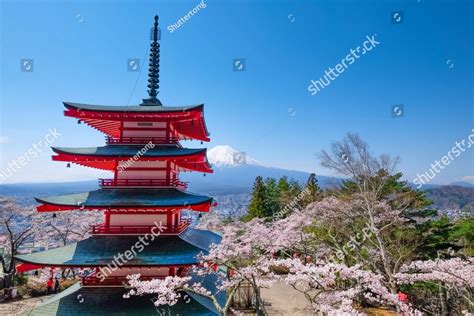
(142, 140)
(92, 280)
(143, 183)
(118, 280)
(102, 229)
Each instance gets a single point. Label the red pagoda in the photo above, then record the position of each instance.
(142, 201)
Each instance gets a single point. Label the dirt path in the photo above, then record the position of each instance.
(18, 307)
(282, 299)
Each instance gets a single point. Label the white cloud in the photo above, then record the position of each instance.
(3, 139)
(468, 178)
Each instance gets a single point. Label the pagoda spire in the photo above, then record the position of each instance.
(154, 69)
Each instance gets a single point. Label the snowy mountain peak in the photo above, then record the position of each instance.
(226, 156)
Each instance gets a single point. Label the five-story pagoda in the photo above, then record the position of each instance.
(144, 231)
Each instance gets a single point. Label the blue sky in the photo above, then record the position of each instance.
(80, 51)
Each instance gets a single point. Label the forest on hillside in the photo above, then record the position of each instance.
(452, 197)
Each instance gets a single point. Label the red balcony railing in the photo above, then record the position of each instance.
(104, 183)
(101, 229)
(141, 140)
(92, 280)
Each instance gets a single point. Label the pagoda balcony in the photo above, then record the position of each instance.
(92, 280)
(102, 229)
(115, 183)
(141, 140)
(113, 281)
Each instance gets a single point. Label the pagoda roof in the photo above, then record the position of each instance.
(97, 301)
(188, 121)
(129, 151)
(165, 198)
(210, 282)
(99, 251)
(131, 108)
(106, 157)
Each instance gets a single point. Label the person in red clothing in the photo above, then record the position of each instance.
(403, 297)
(49, 286)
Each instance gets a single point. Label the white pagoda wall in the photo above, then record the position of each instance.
(142, 174)
(144, 132)
(142, 271)
(126, 170)
(137, 219)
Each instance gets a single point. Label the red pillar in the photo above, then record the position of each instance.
(121, 129)
(116, 170)
(169, 218)
(168, 172)
(107, 218)
(172, 271)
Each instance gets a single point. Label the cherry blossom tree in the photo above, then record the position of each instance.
(211, 221)
(370, 203)
(69, 227)
(334, 288)
(248, 253)
(455, 275)
(241, 253)
(66, 228)
(18, 224)
(168, 291)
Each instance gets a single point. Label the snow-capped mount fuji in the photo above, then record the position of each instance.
(226, 156)
(235, 172)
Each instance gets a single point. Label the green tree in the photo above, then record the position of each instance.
(273, 197)
(258, 203)
(463, 235)
(436, 239)
(314, 192)
(284, 191)
(391, 188)
(295, 188)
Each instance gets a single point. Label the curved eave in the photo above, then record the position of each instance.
(126, 152)
(86, 265)
(107, 119)
(50, 259)
(195, 160)
(130, 200)
(126, 109)
(100, 251)
(187, 130)
(110, 301)
(57, 207)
